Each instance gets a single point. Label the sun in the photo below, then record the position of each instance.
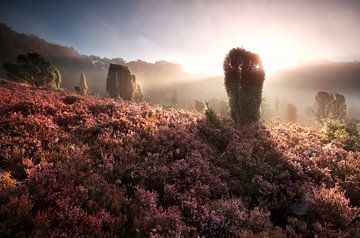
(276, 61)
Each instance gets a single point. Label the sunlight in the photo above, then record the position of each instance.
(274, 62)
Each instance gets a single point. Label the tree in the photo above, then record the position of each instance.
(83, 84)
(33, 69)
(199, 106)
(120, 82)
(329, 106)
(139, 94)
(244, 77)
(291, 113)
(57, 79)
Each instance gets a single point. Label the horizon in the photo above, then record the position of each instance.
(196, 35)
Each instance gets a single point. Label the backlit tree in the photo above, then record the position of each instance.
(33, 69)
(83, 84)
(244, 77)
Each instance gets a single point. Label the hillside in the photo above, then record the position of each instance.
(332, 76)
(161, 80)
(71, 63)
(76, 166)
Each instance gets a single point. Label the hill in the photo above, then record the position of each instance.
(333, 76)
(77, 166)
(71, 63)
(161, 79)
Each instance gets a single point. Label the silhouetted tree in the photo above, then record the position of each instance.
(199, 106)
(244, 77)
(34, 69)
(120, 82)
(291, 113)
(83, 84)
(329, 106)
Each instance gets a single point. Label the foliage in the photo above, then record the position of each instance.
(33, 69)
(211, 116)
(341, 131)
(199, 106)
(219, 106)
(120, 82)
(329, 106)
(80, 166)
(139, 94)
(244, 77)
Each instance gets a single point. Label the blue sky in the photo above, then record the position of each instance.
(196, 34)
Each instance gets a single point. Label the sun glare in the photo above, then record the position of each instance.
(275, 62)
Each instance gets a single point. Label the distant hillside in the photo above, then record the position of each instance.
(160, 79)
(71, 63)
(343, 76)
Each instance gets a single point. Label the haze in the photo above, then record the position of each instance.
(197, 34)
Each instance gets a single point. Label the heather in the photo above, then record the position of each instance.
(81, 166)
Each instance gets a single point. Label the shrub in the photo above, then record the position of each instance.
(83, 84)
(331, 206)
(343, 131)
(120, 82)
(244, 77)
(109, 168)
(211, 116)
(199, 106)
(35, 70)
(330, 106)
(219, 106)
(139, 94)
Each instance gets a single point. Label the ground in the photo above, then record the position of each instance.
(81, 166)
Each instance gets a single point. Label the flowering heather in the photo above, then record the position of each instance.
(80, 166)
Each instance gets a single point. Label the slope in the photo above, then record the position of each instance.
(76, 166)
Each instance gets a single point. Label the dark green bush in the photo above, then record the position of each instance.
(244, 77)
(211, 116)
(120, 82)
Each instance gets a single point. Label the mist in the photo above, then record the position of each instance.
(178, 49)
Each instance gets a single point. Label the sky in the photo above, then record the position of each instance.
(195, 33)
